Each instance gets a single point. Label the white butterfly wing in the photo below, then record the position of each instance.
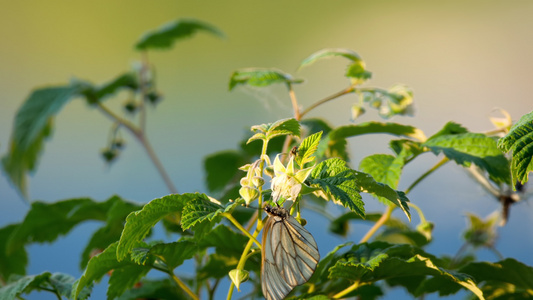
(290, 256)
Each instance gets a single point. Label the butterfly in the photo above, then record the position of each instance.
(289, 255)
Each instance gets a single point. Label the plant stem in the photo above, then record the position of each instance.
(141, 137)
(239, 226)
(435, 167)
(384, 218)
(347, 290)
(244, 256)
(419, 211)
(347, 90)
(182, 285)
(294, 102)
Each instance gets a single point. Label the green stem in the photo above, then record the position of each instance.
(294, 102)
(384, 218)
(347, 90)
(435, 167)
(419, 211)
(239, 226)
(182, 285)
(244, 256)
(347, 290)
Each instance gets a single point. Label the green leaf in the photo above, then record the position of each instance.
(45, 222)
(509, 270)
(202, 209)
(154, 289)
(221, 168)
(378, 261)
(225, 241)
(174, 254)
(260, 77)
(384, 168)
(450, 128)
(356, 69)
(117, 211)
(307, 148)
(104, 262)
(271, 130)
(58, 282)
(519, 140)
(15, 262)
(473, 148)
(338, 183)
(33, 124)
(123, 279)
(368, 184)
(217, 266)
(139, 223)
(167, 35)
(342, 132)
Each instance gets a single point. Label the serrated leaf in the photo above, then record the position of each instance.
(260, 77)
(307, 148)
(45, 222)
(519, 140)
(101, 264)
(33, 124)
(221, 168)
(356, 69)
(337, 182)
(473, 148)
(168, 34)
(272, 130)
(201, 209)
(15, 262)
(384, 168)
(139, 223)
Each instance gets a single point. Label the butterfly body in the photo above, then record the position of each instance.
(289, 255)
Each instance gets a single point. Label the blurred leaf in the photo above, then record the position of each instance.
(378, 261)
(154, 289)
(481, 232)
(376, 127)
(407, 149)
(307, 148)
(95, 94)
(473, 148)
(124, 278)
(260, 77)
(56, 282)
(340, 224)
(338, 183)
(45, 222)
(201, 209)
(356, 70)
(221, 167)
(217, 266)
(509, 270)
(167, 35)
(33, 124)
(139, 223)
(450, 128)
(271, 130)
(16, 261)
(519, 140)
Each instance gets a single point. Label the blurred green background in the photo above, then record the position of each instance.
(462, 59)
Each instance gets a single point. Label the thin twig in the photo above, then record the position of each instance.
(384, 218)
(347, 90)
(239, 226)
(182, 285)
(435, 167)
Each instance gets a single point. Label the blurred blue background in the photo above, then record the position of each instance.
(462, 59)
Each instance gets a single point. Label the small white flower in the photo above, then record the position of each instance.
(286, 184)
